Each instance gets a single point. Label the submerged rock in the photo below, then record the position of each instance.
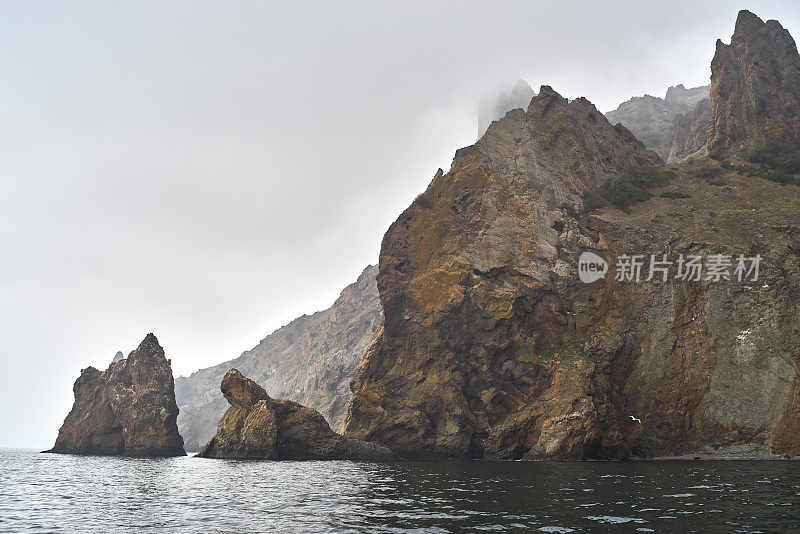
(127, 410)
(259, 427)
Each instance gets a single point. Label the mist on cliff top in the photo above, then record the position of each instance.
(208, 171)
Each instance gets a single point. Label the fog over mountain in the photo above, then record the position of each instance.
(211, 171)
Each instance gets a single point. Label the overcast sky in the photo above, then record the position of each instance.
(208, 171)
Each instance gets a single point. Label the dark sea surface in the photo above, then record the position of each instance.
(62, 493)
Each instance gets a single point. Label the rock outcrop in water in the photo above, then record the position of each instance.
(310, 361)
(259, 427)
(466, 281)
(755, 88)
(127, 410)
(492, 348)
(651, 118)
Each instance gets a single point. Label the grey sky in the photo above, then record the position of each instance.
(209, 171)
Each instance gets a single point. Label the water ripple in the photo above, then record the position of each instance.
(61, 493)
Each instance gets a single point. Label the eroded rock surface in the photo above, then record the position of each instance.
(127, 410)
(310, 361)
(466, 276)
(755, 88)
(651, 118)
(259, 427)
(492, 348)
(690, 132)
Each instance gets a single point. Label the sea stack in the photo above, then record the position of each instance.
(257, 427)
(127, 410)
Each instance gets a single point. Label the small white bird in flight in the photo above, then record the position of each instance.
(635, 419)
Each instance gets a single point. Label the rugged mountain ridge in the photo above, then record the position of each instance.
(494, 106)
(129, 409)
(257, 427)
(492, 348)
(690, 132)
(755, 88)
(466, 275)
(310, 361)
(651, 118)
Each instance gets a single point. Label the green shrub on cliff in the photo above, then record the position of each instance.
(778, 163)
(629, 188)
(784, 159)
(774, 162)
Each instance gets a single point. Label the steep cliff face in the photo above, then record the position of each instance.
(690, 132)
(310, 361)
(493, 348)
(650, 118)
(258, 427)
(127, 410)
(467, 276)
(494, 106)
(755, 88)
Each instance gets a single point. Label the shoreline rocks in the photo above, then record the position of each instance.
(257, 427)
(492, 348)
(127, 410)
(309, 361)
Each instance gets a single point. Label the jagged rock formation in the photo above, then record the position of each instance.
(755, 88)
(258, 427)
(494, 106)
(650, 118)
(466, 281)
(310, 361)
(492, 348)
(690, 132)
(127, 410)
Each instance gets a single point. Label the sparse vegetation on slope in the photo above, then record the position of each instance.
(629, 188)
(774, 162)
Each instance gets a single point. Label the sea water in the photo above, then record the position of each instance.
(65, 493)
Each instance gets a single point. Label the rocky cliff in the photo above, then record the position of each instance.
(493, 348)
(465, 279)
(259, 427)
(651, 118)
(494, 106)
(127, 410)
(310, 361)
(690, 132)
(755, 88)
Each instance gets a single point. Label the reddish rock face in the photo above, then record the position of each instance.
(468, 276)
(492, 348)
(755, 88)
(258, 427)
(127, 410)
